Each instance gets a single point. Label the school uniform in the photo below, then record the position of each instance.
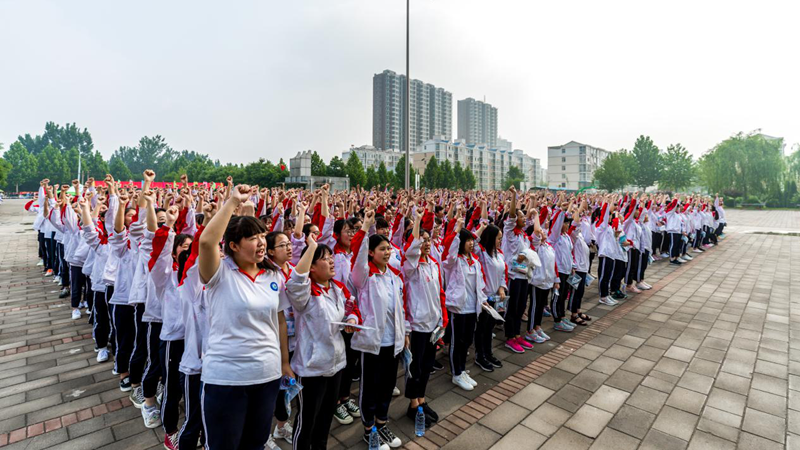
(242, 364)
(514, 243)
(426, 310)
(320, 357)
(495, 274)
(380, 300)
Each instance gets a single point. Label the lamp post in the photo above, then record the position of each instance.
(408, 102)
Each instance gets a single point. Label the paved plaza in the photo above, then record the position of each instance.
(707, 359)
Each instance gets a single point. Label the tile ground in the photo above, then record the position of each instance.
(708, 359)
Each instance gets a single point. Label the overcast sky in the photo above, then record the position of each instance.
(246, 79)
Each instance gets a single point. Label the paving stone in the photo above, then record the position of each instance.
(686, 400)
(520, 437)
(611, 439)
(647, 399)
(680, 354)
(705, 441)
(589, 380)
(547, 419)
(764, 425)
(727, 401)
(531, 396)
(608, 399)
(638, 365)
(632, 421)
(589, 421)
(570, 398)
(656, 440)
(766, 402)
(676, 423)
(731, 382)
(566, 438)
(622, 379)
(554, 379)
(749, 441)
(505, 417)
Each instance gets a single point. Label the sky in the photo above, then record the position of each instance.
(249, 79)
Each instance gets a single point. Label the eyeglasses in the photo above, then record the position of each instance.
(285, 244)
(350, 231)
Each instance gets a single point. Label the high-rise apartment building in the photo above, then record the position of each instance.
(431, 111)
(572, 165)
(477, 122)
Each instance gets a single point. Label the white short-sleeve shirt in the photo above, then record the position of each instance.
(243, 334)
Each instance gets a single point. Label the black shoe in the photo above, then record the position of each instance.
(676, 262)
(356, 378)
(494, 361)
(125, 384)
(430, 413)
(484, 364)
(64, 293)
(437, 366)
(388, 438)
(618, 295)
(411, 413)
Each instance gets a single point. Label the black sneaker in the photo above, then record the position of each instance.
(430, 413)
(484, 364)
(676, 262)
(411, 413)
(125, 384)
(437, 366)
(494, 361)
(64, 293)
(356, 378)
(387, 437)
(618, 296)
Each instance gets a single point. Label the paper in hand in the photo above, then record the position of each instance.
(492, 312)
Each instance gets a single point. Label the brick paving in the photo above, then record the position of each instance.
(710, 358)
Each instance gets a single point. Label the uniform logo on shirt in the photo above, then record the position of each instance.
(274, 286)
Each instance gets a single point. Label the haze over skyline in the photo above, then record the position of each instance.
(251, 79)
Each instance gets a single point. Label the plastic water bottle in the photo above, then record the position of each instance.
(374, 440)
(291, 388)
(419, 422)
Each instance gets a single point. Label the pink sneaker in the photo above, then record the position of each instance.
(525, 344)
(514, 346)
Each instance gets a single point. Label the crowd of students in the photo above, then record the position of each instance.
(222, 295)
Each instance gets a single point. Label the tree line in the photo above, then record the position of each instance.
(746, 167)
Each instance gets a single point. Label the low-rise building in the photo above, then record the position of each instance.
(572, 165)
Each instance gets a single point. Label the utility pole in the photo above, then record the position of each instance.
(408, 101)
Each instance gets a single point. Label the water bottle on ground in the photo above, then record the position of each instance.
(374, 440)
(419, 422)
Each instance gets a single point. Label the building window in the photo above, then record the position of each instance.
(563, 167)
(563, 151)
(563, 159)
(563, 176)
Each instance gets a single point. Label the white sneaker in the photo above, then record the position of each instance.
(607, 301)
(642, 286)
(102, 355)
(76, 314)
(681, 260)
(469, 379)
(688, 257)
(56, 279)
(697, 250)
(40, 263)
(665, 255)
(284, 432)
(461, 382)
(271, 445)
(395, 392)
(151, 416)
(83, 304)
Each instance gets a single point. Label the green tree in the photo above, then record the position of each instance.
(647, 158)
(399, 179)
(514, 177)
(151, 153)
(446, 178)
(53, 165)
(383, 174)
(430, 179)
(336, 167)
(469, 179)
(615, 171)
(372, 178)
(262, 173)
(24, 167)
(5, 169)
(746, 163)
(458, 176)
(678, 172)
(318, 167)
(94, 166)
(119, 170)
(355, 171)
